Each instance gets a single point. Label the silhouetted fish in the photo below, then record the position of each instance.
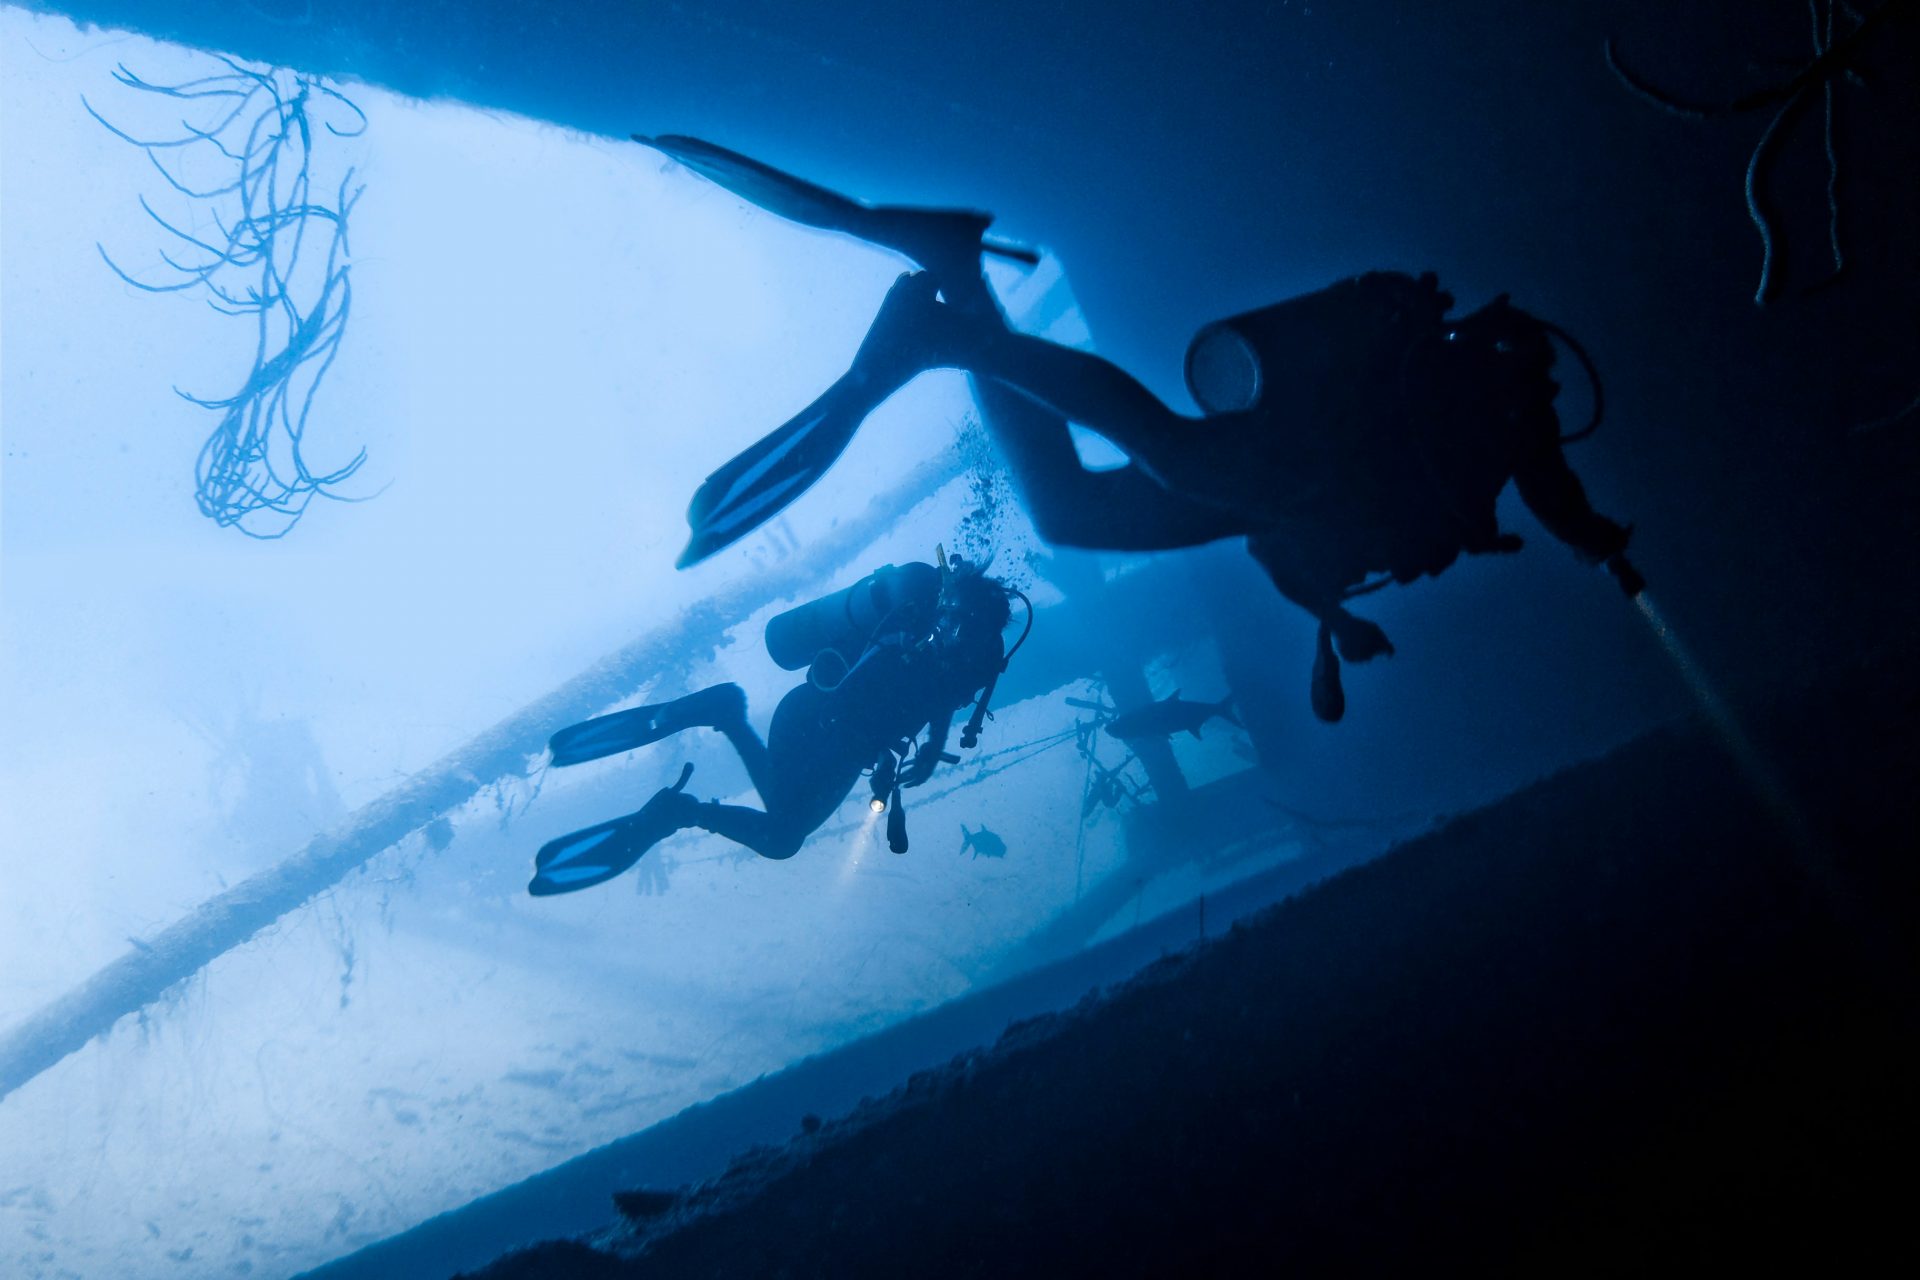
(983, 842)
(1170, 716)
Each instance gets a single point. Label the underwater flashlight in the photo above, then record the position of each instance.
(884, 777)
(1625, 574)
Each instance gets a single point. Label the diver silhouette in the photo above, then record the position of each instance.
(899, 652)
(1355, 436)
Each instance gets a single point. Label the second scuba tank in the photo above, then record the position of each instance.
(843, 622)
(1319, 352)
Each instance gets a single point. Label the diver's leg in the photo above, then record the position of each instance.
(802, 773)
(796, 721)
(945, 242)
(948, 244)
(749, 827)
(1232, 461)
(916, 332)
(752, 752)
(1237, 462)
(1117, 510)
(1084, 388)
(779, 832)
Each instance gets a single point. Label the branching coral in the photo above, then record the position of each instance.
(242, 155)
(1839, 35)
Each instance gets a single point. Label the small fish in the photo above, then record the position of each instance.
(983, 842)
(1170, 716)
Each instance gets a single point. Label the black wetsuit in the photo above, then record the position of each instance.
(1386, 452)
(821, 741)
(1379, 444)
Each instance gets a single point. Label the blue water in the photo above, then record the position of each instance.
(554, 337)
(540, 372)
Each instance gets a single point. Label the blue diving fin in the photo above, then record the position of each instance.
(606, 735)
(596, 854)
(772, 189)
(637, 726)
(948, 241)
(760, 482)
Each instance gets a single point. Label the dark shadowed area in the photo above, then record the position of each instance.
(1558, 1034)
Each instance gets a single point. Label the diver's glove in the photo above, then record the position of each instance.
(1625, 574)
(920, 769)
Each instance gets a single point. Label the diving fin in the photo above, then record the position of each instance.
(596, 854)
(606, 735)
(945, 240)
(637, 726)
(772, 189)
(759, 483)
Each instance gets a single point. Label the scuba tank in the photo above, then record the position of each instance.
(842, 623)
(1324, 355)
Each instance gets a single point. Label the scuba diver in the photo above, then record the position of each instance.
(899, 652)
(1354, 437)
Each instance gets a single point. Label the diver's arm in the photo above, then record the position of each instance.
(1558, 500)
(1555, 496)
(926, 758)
